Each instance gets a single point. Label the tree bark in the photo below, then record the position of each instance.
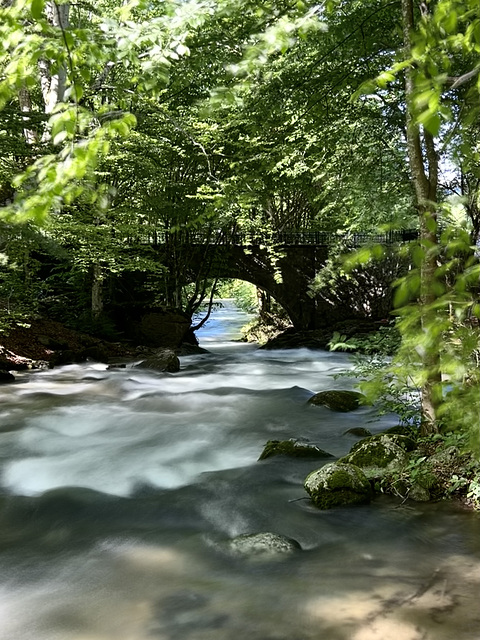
(25, 103)
(97, 291)
(53, 85)
(423, 160)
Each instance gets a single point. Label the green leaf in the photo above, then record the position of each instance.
(366, 88)
(431, 121)
(37, 8)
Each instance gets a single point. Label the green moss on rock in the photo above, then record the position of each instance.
(338, 484)
(401, 430)
(292, 448)
(338, 400)
(378, 454)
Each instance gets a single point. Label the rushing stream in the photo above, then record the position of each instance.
(120, 489)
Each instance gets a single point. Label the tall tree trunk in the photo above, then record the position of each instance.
(25, 103)
(423, 159)
(97, 291)
(53, 85)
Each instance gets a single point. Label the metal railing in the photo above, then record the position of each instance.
(279, 238)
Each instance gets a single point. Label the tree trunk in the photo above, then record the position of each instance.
(53, 85)
(97, 291)
(25, 103)
(423, 160)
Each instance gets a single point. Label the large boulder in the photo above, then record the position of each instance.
(262, 545)
(162, 360)
(163, 329)
(97, 352)
(338, 400)
(293, 339)
(378, 455)
(337, 484)
(293, 448)
(6, 377)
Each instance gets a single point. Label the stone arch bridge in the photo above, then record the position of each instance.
(284, 267)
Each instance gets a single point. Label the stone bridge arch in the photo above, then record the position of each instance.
(285, 274)
(286, 271)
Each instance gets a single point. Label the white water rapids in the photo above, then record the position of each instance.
(119, 487)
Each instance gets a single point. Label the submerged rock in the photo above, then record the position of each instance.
(336, 484)
(262, 544)
(358, 431)
(161, 360)
(187, 349)
(293, 448)
(338, 400)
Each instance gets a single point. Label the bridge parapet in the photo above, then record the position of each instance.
(287, 238)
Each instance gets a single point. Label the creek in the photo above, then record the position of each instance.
(119, 489)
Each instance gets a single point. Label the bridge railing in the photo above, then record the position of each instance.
(280, 238)
(292, 238)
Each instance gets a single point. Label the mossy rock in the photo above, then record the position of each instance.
(378, 454)
(401, 430)
(418, 493)
(338, 484)
(338, 400)
(292, 448)
(445, 456)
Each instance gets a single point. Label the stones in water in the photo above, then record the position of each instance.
(162, 360)
(337, 484)
(338, 400)
(361, 432)
(186, 349)
(263, 545)
(418, 493)
(6, 377)
(293, 448)
(379, 454)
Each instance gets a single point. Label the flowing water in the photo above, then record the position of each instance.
(121, 487)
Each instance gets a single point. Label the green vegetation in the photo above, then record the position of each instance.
(442, 467)
(244, 294)
(128, 129)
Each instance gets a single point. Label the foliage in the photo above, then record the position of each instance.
(244, 293)
(451, 321)
(25, 250)
(384, 342)
(265, 327)
(391, 391)
(360, 281)
(453, 326)
(443, 465)
(174, 117)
